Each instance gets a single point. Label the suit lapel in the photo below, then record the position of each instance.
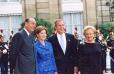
(26, 38)
(67, 42)
(58, 44)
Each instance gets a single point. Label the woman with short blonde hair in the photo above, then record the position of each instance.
(89, 27)
(90, 54)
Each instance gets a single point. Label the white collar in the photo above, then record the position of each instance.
(59, 35)
(26, 31)
(63, 39)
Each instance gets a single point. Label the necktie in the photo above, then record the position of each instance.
(30, 38)
(62, 43)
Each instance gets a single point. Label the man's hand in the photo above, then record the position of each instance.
(75, 70)
(56, 73)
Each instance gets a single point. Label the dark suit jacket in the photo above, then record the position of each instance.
(22, 55)
(65, 62)
(3, 57)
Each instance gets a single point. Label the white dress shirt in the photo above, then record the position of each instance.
(63, 44)
(26, 31)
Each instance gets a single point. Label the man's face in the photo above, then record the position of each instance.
(97, 32)
(60, 27)
(110, 34)
(30, 25)
(112, 37)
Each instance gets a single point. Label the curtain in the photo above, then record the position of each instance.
(73, 20)
(10, 23)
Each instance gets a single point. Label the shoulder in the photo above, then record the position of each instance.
(68, 34)
(81, 45)
(20, 33)
(48, 43)
(17, 36)
(97, 44)
(52, 38)
(36, 43)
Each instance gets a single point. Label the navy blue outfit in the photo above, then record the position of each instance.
(45, 61)
(22, 56)
(91, 59)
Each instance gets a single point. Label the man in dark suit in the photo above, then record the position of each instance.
(65, 49)
(22, 56)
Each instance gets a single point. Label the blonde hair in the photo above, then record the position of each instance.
(89, 27)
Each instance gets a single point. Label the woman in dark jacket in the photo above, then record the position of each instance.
(90, 54)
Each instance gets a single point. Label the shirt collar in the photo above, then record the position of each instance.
(26, 31)
(59, 35)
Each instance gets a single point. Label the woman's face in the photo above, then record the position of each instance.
(89, 35)
(42, 35)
